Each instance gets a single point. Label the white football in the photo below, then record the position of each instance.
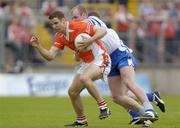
(80, 38)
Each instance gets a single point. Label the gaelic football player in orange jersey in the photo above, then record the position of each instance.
(95, 62)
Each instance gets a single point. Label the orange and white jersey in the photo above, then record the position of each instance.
(97, 51)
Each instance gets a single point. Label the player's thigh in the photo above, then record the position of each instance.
(93, 72)
(116, 86)
(76, 85)
(127, 74)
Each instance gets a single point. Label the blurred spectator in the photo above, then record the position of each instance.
(123, 21)
(49, 6)
(18, 42)
(26, 14)
(154, 31)
(171, 46)
(138, 40)
(3, 4)
(11, 10)
(146, 9)
(15, 44)
(174, 19)
(170, 33)
(175, 9)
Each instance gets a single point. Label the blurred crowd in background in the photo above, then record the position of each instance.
(150, 27)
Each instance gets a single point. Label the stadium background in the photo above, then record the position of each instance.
(150, 27)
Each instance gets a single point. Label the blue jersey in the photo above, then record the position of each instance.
(96, 21)
(120, 54)
(111, 40)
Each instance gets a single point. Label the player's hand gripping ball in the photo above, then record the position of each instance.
(79, 40)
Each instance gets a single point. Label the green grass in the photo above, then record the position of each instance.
(54, 112)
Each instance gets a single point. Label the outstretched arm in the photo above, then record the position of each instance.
(47, 54)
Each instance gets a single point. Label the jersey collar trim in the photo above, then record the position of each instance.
(68, 30)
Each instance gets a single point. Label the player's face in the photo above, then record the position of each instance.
(58, 25)
(76, 16)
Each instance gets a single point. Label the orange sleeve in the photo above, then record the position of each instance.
(58, 41)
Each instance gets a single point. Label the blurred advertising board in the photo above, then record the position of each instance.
(49, 84)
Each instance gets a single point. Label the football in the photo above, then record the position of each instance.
(80, 38)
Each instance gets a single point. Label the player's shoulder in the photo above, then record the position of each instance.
(94, 18)
(96, 21)
(89, 17)
(74, 24)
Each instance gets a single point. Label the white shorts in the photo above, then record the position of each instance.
(105, 68)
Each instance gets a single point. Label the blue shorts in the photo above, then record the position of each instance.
(120, 59)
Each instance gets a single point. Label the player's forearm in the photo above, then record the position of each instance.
(45, 53)
(99, 33)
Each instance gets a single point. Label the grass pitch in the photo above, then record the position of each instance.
(54, 112)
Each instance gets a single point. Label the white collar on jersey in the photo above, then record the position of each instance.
(68, 31)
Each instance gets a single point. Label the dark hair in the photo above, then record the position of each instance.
(93, 13)
(57, 14)
(80, 8)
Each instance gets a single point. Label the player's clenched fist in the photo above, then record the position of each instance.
(34, 41)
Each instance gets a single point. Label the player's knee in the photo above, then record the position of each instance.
(127, 82)
(72, 93)
(115, 99)
(84, 79)
(131, 84)
(118, 98)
